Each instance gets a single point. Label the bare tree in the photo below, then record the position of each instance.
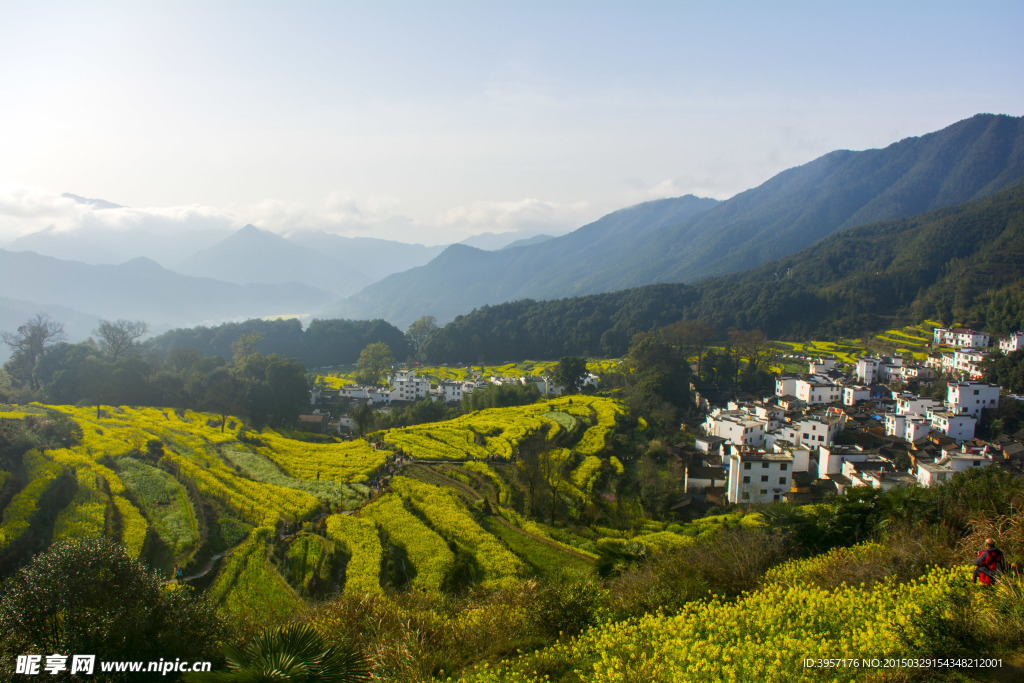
(752, 345)
(119, 338)
(29, 344)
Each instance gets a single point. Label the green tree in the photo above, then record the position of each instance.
(294, 652)
(570, 373)
(374, 363)
(90, 597)
(418, 334)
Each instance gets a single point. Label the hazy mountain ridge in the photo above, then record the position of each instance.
(462, 278)
(790, 211)
(142, 289)
(254, 256)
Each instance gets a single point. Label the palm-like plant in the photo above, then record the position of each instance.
(295, 652)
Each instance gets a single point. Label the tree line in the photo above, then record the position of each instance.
(116, 368)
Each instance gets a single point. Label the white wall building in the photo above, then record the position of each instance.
(814, 392)
(871, 369)
(968, 398)
(961, 337)
(757, 477)
(912, 404)
(960, 428)
(852, 395)
(736, 427)
(785, 386)
(406, 386)
(968, 361)
(1014, 342)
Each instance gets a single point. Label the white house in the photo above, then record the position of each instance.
(758, 477)
(895, 424)
(968, 361)
(871, 369)
(736, 427)
(819, 366)
(916, 373)
(406, 386)
(960, 428)
(961, 337)
(912, 404)
(832, 458)
(450, 392)
(785, 386)
(968, 398)
(1014, 342)
(943, 469)
(854, 394)
(815, 392)
(917, 428)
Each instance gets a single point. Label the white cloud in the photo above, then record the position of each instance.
(527, 215)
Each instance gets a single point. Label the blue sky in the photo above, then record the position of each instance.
(429, 122)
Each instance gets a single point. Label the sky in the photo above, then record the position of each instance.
(429, 122)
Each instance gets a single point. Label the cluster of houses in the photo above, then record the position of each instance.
(968, 349)
(825, 431)
(405, 387)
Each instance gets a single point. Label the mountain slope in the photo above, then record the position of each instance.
(254, 256)
(463, 277)
(794, 209)
(377, 258)
(962, 263)
(142, 289)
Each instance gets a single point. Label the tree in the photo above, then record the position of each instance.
(90, 597)
(30, 343)
(419, 332)
(374, 363)
(570, 373)
(691, 337)
(752, 345)
(222, 393)
(121, 337)
(294, 652)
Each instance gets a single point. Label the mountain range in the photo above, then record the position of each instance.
(651, 243)
(211, 275)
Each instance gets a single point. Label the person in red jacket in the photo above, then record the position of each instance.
(989, 563)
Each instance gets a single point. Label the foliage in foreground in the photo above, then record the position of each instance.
(91, 597)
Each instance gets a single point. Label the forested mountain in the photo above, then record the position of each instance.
(964, 264)
(653, 243)
(463, 277)
(142, 289)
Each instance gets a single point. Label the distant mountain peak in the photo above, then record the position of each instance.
(94, 203)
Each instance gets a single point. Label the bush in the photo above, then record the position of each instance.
(91, 597)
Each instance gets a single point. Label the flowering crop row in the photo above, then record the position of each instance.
(360, 539)
(349, 461)
(249, 587)
(427, 551)
(260, 468)
(42, 475)
(134, 527)
(586, 473)
(763, 636)
(165, 503)
(85, 515)
(442, 507)
(504, 493)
